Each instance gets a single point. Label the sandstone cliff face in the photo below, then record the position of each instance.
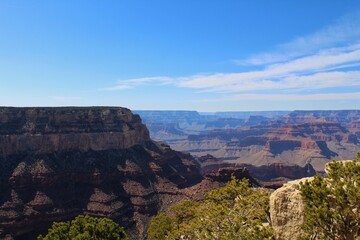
(60, 162)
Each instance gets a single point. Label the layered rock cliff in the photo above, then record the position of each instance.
(314, 143)
(261, 138)
(60, 162)
(48, 130)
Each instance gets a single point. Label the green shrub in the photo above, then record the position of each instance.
(84, 227)
(235, 211)
(332, 204)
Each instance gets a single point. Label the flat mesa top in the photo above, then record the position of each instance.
(14, 120)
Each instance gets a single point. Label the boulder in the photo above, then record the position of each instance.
(287, 210)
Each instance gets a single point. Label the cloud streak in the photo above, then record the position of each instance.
(134, 82)
(304, 73)
(343, 31)
(287, 97)
(312, 69)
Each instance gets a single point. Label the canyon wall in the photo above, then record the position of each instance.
(261, 138)
(314, 143)
(57, 163)
(48, 130)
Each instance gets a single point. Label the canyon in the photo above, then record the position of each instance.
(58, 163)
(262, 140)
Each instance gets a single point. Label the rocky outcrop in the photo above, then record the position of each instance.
(218, 179)
(270, 176)
(225, 174)
(57, 163)
(287, 211)
(49, 130)
(276, 171)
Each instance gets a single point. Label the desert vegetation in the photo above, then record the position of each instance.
(84, 227)
(238, 211)
(332, 203)
(235, 211)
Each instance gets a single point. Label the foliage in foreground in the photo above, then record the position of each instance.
(85, 228)
(235, 211)
(332, 204)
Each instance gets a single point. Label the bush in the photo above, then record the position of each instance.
(235, 211)
(332, 204)
(85, 227)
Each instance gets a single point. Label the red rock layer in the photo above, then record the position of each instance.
(314, 142)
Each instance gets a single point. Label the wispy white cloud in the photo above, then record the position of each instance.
(286, 97)
(310, 67)
(324, 80)
(322, 70)
(342, 32)
(131, 83)
(301, 73)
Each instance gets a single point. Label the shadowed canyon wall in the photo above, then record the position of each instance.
(57, 163)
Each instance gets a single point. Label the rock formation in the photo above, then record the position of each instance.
(48, 130)
(224, 175)
(287, 211)
(271, 176)
(57, 163)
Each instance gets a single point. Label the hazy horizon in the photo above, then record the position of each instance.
(176, 110)
(206, 56)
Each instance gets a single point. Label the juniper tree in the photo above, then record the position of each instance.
(332, 204)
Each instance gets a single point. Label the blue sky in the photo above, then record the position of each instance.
(182, 55)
